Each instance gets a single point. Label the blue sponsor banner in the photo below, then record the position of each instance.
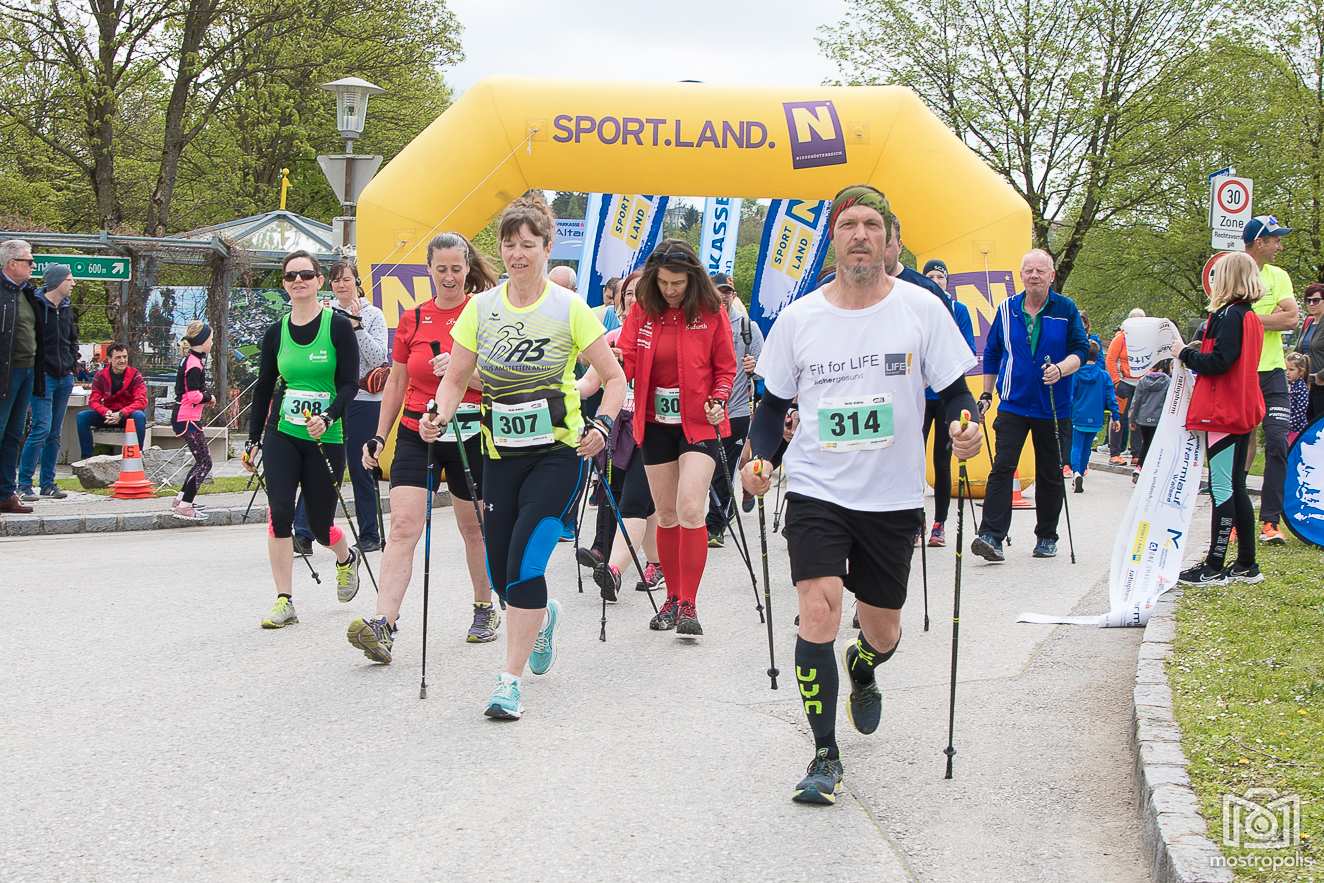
(721, 224)
(1303, 492)
(794, 243)
(569, 242)
(621, 235)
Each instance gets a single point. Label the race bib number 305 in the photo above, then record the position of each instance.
(297, 401)
(522, 425)
(666, 405)
(859, 424)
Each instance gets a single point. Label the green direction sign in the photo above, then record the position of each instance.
(99, 268)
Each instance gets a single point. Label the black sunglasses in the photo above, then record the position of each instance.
(29, 261)
(305, 275)
(675, 256)
(1314, 300)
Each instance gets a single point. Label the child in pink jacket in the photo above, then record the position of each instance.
(190, 395)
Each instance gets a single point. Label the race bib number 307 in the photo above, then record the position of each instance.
(297, 401)
(522, 425)
(858, 424)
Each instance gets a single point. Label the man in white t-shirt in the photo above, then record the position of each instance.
(856, 355)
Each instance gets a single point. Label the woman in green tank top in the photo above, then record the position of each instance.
(308, 377)
(524, 338)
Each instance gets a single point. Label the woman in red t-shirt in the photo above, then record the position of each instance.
(419, 360)
(677, 348)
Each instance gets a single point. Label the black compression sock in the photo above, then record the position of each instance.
(287, 597)
(349, 560)
(868, 659)
(817, 678)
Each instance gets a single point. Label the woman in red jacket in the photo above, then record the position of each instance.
(1227, 405)
(677, 349)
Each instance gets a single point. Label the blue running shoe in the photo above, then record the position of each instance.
(544, 646)
(504, 704)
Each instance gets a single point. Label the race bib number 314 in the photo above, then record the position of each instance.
(858, 424)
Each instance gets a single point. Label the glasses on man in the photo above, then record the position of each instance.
(29, 261)
(305, 275)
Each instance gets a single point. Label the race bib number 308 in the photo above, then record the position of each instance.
(297, 401)
(522, 425)
(855, 424)
(666, 405)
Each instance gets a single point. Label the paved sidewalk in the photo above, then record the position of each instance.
(164, 735)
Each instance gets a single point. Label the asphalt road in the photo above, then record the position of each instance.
(152, 730)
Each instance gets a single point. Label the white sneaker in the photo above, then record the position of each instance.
(188, 512)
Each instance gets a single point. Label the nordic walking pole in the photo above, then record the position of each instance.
(924, 561)
(988, 445)
(767, 581)
(724, 465)
(579, 523)
(377, 493)
(349, 521)
(427, 564)
(1057, 436)
(256, 467)
(962, 484)
(261, 485)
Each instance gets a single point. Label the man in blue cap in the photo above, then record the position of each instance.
(1277, 309)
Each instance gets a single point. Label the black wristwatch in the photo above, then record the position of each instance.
(607, 422)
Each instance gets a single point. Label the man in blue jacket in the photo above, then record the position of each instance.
(1035, 325)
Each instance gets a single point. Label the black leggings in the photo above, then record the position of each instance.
(291, 464)
(604, 532)
(528, 500)
(196, 440)
(935, 416)
(1232, 506)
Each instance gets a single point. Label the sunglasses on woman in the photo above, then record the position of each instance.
(1314, 300)
(305, 275)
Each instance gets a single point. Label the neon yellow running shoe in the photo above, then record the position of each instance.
(281, 615)
(374, 637)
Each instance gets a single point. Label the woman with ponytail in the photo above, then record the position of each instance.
(186, 420)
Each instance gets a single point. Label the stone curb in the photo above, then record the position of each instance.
(1172, 827)
(37, 525)
(1104, 466)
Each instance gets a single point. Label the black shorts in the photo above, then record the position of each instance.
(870, 551)
(665, 442)
(410, 466)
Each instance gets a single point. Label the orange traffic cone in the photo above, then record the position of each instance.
(1018, 501)
(132, 483)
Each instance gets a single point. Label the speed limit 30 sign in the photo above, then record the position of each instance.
(1229, 209)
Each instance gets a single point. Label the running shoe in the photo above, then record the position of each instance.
(504, 704)
(1117, 461)
(54, 492)
(1245, 573)
(486, 622)
(347, 578)
(938, 536)
(865, 707)
(302, 545)
(544, 646)
(608, 578)
(374, 637)
(187, 512)
(370, 544)
(1202, 575)
(988, 547)
(746, 501)
(281, 615)
(822, 780)
(665, 619)
(1066, 472)
(588, 557)
(1080, 484)
(653, 578)
(716, 540)
(1270, 535)
(687, 621)
(1045, 548)
(28, 495)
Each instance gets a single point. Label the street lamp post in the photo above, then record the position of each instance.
(348, 173)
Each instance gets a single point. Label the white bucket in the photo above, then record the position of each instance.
(1149, 339)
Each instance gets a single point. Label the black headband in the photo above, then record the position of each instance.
(200, 338)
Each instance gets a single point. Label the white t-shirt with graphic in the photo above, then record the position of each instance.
(859, 376)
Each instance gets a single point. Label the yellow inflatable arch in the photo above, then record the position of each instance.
(505, 136)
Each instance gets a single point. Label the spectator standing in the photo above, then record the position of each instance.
(59, 329)
(1277, 309)
(1036, 342)
(118, 391)
(1146, 410)
(1312, 345)
(608, 313)
(1093, 397)
(21, 351)
(1124, 384)
(1298, 395)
